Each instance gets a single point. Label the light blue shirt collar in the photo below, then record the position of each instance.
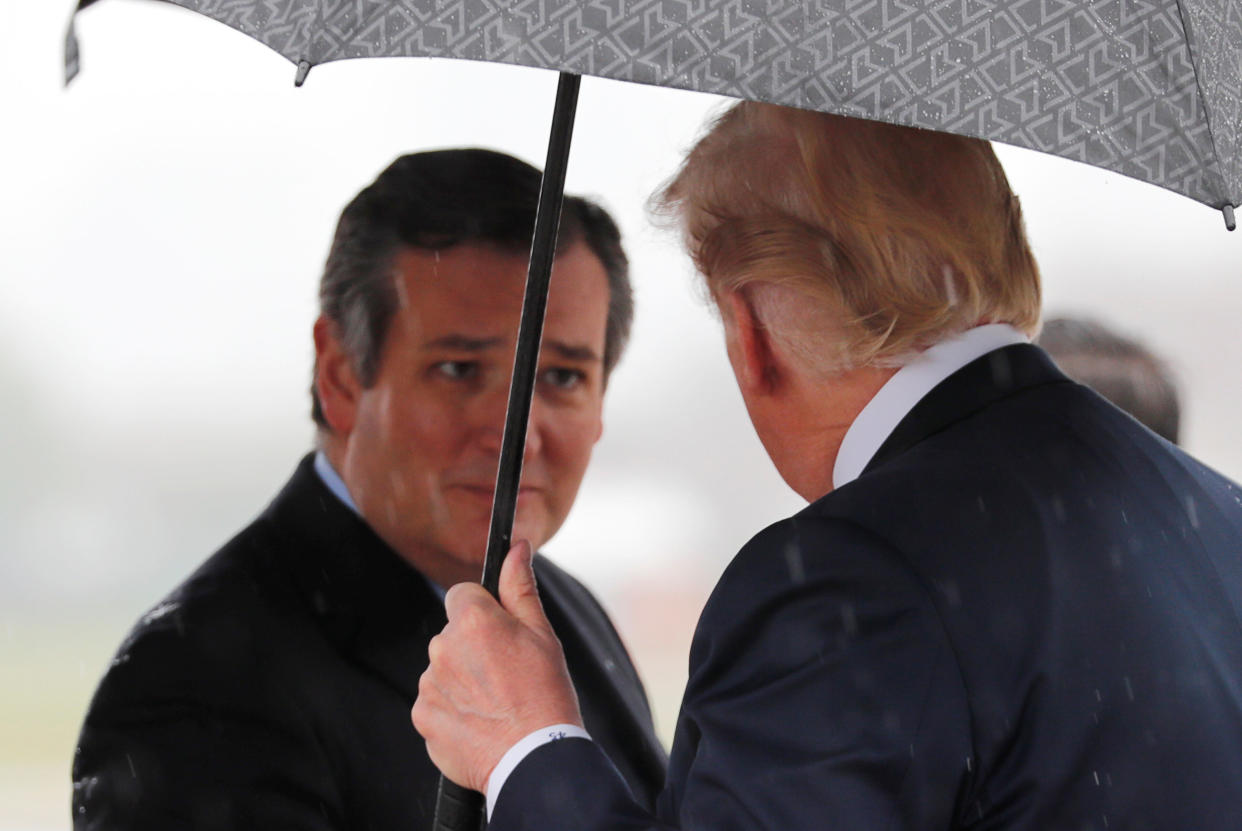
(334, 481)
(897, 397)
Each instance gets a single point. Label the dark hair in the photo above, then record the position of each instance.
(437, 200)
(1118, 368)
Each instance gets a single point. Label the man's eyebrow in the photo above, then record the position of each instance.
(466, 343)
(572, 351)
(463, 343)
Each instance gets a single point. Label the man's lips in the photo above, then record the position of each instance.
(487, 492)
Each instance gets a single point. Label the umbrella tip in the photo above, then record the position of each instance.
(304, 68)
(72, 54)
(1230, 222)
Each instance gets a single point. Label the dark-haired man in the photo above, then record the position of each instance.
(272, 688)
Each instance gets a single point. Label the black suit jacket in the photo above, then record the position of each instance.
(1023, 615)
(273, 688)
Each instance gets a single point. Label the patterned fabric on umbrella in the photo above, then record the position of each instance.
(1151, 89)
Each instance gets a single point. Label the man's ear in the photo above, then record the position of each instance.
(335, 379)
(750, 345)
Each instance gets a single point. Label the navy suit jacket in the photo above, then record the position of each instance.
(1023, 615)
(272, 690)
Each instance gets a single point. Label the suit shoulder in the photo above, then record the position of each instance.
(567, 591)
(571, 604)
(817, 612)
(221, 635)
(574, 612)
(804, 561)
(800, 546)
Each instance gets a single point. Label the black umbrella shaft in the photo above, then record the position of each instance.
(530, 331)
(457, 808)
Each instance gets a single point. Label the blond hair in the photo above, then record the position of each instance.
(859, 243)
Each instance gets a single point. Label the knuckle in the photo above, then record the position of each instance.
(462, 595)
(425, 687)
(473, 617)
(453, 594)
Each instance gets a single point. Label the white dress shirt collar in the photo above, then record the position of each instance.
(907, 387)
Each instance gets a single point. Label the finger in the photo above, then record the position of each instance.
(423, 710)
(463, 596)
(518, 592)
(436, 651)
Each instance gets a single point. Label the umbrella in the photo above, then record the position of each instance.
(1150, 91)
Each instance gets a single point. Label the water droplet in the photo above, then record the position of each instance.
(952, 594)
(159, 611)
(950, 285)
(793, 561)
(849, 620)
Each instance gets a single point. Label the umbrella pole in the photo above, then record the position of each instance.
(457, 808)
(530, 330)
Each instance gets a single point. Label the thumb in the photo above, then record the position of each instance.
(518, 592)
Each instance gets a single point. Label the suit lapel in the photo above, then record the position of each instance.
(592, 663)
(370, 604)
(610, 694)
(981, 382)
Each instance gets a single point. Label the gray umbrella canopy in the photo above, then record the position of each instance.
(1150, 89)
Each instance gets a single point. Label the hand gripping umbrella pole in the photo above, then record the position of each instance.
(458, 808)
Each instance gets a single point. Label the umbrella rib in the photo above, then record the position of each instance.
(1209, 114)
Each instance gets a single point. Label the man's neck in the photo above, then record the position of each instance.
(812, 424)
(893, 400)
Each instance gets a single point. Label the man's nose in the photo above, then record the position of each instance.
(491, 422)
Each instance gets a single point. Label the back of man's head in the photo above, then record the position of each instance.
(437, 200)
(1118, 368)
(889, 239)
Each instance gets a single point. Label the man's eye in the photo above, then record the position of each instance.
(457, 370)
(563, 378)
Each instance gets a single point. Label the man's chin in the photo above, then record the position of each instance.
(456, 571)
(463, 560)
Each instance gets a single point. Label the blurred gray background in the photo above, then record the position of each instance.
(162, 226)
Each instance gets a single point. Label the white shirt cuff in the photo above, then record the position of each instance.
(521, 750)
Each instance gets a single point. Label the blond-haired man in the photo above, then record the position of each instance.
(1007, 606)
